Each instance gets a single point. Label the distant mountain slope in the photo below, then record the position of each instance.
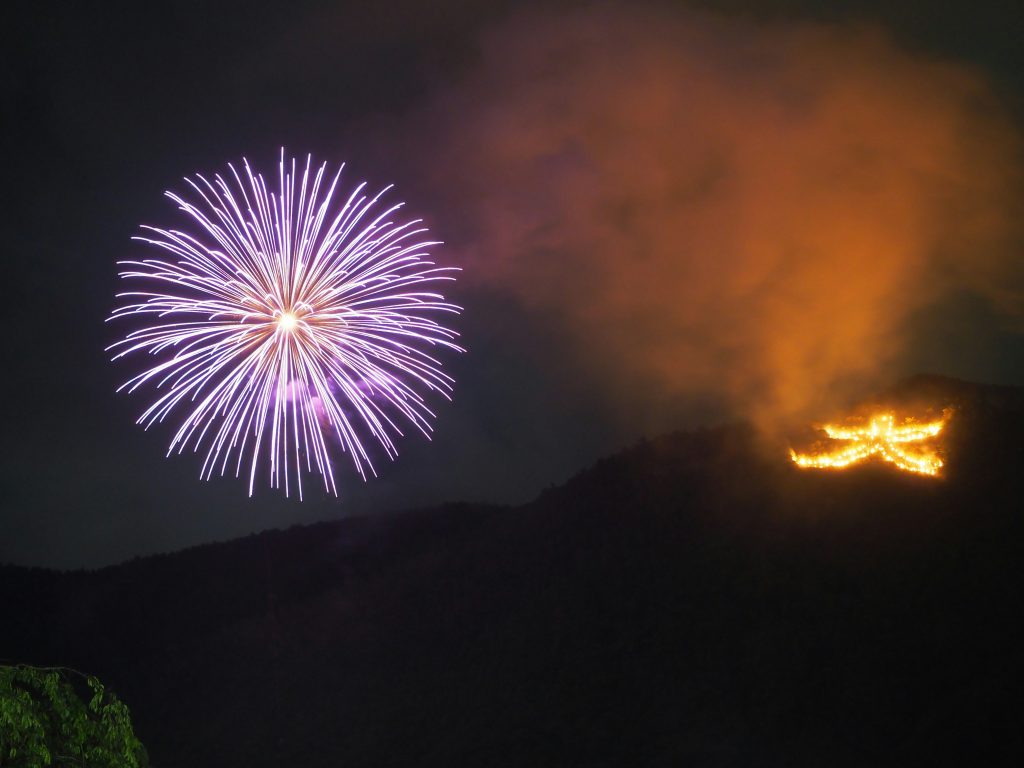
(694, 600)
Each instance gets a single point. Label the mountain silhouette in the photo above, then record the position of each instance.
(693, 600)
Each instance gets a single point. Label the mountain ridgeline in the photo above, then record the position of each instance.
(694, 600)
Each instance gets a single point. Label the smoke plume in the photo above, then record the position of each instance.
(710, 205)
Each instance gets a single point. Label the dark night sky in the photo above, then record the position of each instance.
(106, 106)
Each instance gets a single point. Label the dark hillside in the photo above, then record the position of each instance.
(694, 600)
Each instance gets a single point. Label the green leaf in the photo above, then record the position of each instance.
(42, 714)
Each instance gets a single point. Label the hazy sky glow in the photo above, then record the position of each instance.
(666, 217)
(717, 207)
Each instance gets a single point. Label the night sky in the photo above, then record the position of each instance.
(667, 215)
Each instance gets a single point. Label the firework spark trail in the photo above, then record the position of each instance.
(286, 320)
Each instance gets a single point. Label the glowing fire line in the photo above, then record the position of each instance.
(883, 438)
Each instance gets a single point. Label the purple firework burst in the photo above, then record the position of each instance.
(287, 322)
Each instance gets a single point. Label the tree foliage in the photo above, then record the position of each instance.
(44, 721)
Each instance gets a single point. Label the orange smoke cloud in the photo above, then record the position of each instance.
(712, 205)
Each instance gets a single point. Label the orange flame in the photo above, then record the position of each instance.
(883, 438)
